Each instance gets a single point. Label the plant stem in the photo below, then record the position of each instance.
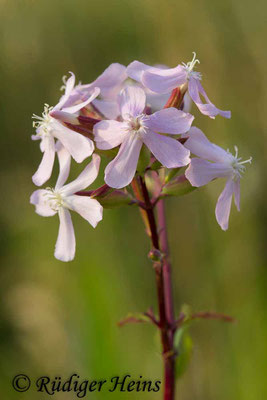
(163, 236)
(164, 294)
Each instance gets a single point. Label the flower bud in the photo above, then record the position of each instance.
(116, 198)
(178, 187)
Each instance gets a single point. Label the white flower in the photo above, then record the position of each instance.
(61, 199)
(49, 128)
(221, 164)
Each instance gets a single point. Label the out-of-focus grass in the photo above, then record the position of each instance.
(60, 318)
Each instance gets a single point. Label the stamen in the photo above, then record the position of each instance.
(54, 199)
(64, 79)
(190, 66)
(236, 151)
(249, 160)
(238, 165)
(44, 120)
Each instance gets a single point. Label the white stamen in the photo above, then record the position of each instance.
(237, 164)
(44, 121)
(55, 199)
(136, 124)
(64, 79)
(190, 66)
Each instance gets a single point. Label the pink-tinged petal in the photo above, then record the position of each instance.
(164, 80)
(168, 151)
(187, 103)
(79, 146)
(64, 117)
(88, 208)
(170, 120)
(109, 134)
(120, 171)
(35, 137)
(110, 109)
(136, 69)
(69, 88)
(64, 160)
(194, 88)
(156, 100)
(66, 244)
(75, 108)
(199, 145)
(132, 101)
(200, 172)
(223, 206)
(86, 177)
(44, 170)
(39, 198)
(237, 193)
(110, 81)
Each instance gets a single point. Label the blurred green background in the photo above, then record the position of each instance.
(59, 318)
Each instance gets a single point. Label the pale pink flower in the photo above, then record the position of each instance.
(49, 128)
(62, 199)
(136, 129)
(215, 162)
(161, 80)
(110, 83)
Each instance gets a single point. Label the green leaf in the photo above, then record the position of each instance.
(184, 349)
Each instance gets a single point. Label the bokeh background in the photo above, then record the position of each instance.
(59, 318)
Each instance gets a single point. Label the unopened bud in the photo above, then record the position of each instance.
(155, 255)
(178, 187)
(117, 198)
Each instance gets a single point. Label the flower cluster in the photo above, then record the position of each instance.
(136, 115)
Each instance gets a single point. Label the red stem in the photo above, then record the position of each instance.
(164, 295)
(163, 236)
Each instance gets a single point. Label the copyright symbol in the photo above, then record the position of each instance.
(21, 383)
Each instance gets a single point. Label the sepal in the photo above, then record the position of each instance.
(116, 198)
(178, 186)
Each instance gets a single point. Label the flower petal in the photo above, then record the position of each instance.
(44, 170)
(164, 80)
(136, 69)
(69, 88)
(65, 246)
(86, 177)
(200, 172)
(170, 120)
(75, 108)
(199, 145)
(88, 208)
(156, 100)
(64, 160)
(78, 145)
(168, 151)
(223, 206)
(39, 199)
(132, 101)
(237, 193)
(109, 134)
(194, 88)
(120, 171)
(110, 81)
(109, 109)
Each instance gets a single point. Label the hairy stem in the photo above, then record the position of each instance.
(164, 296)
